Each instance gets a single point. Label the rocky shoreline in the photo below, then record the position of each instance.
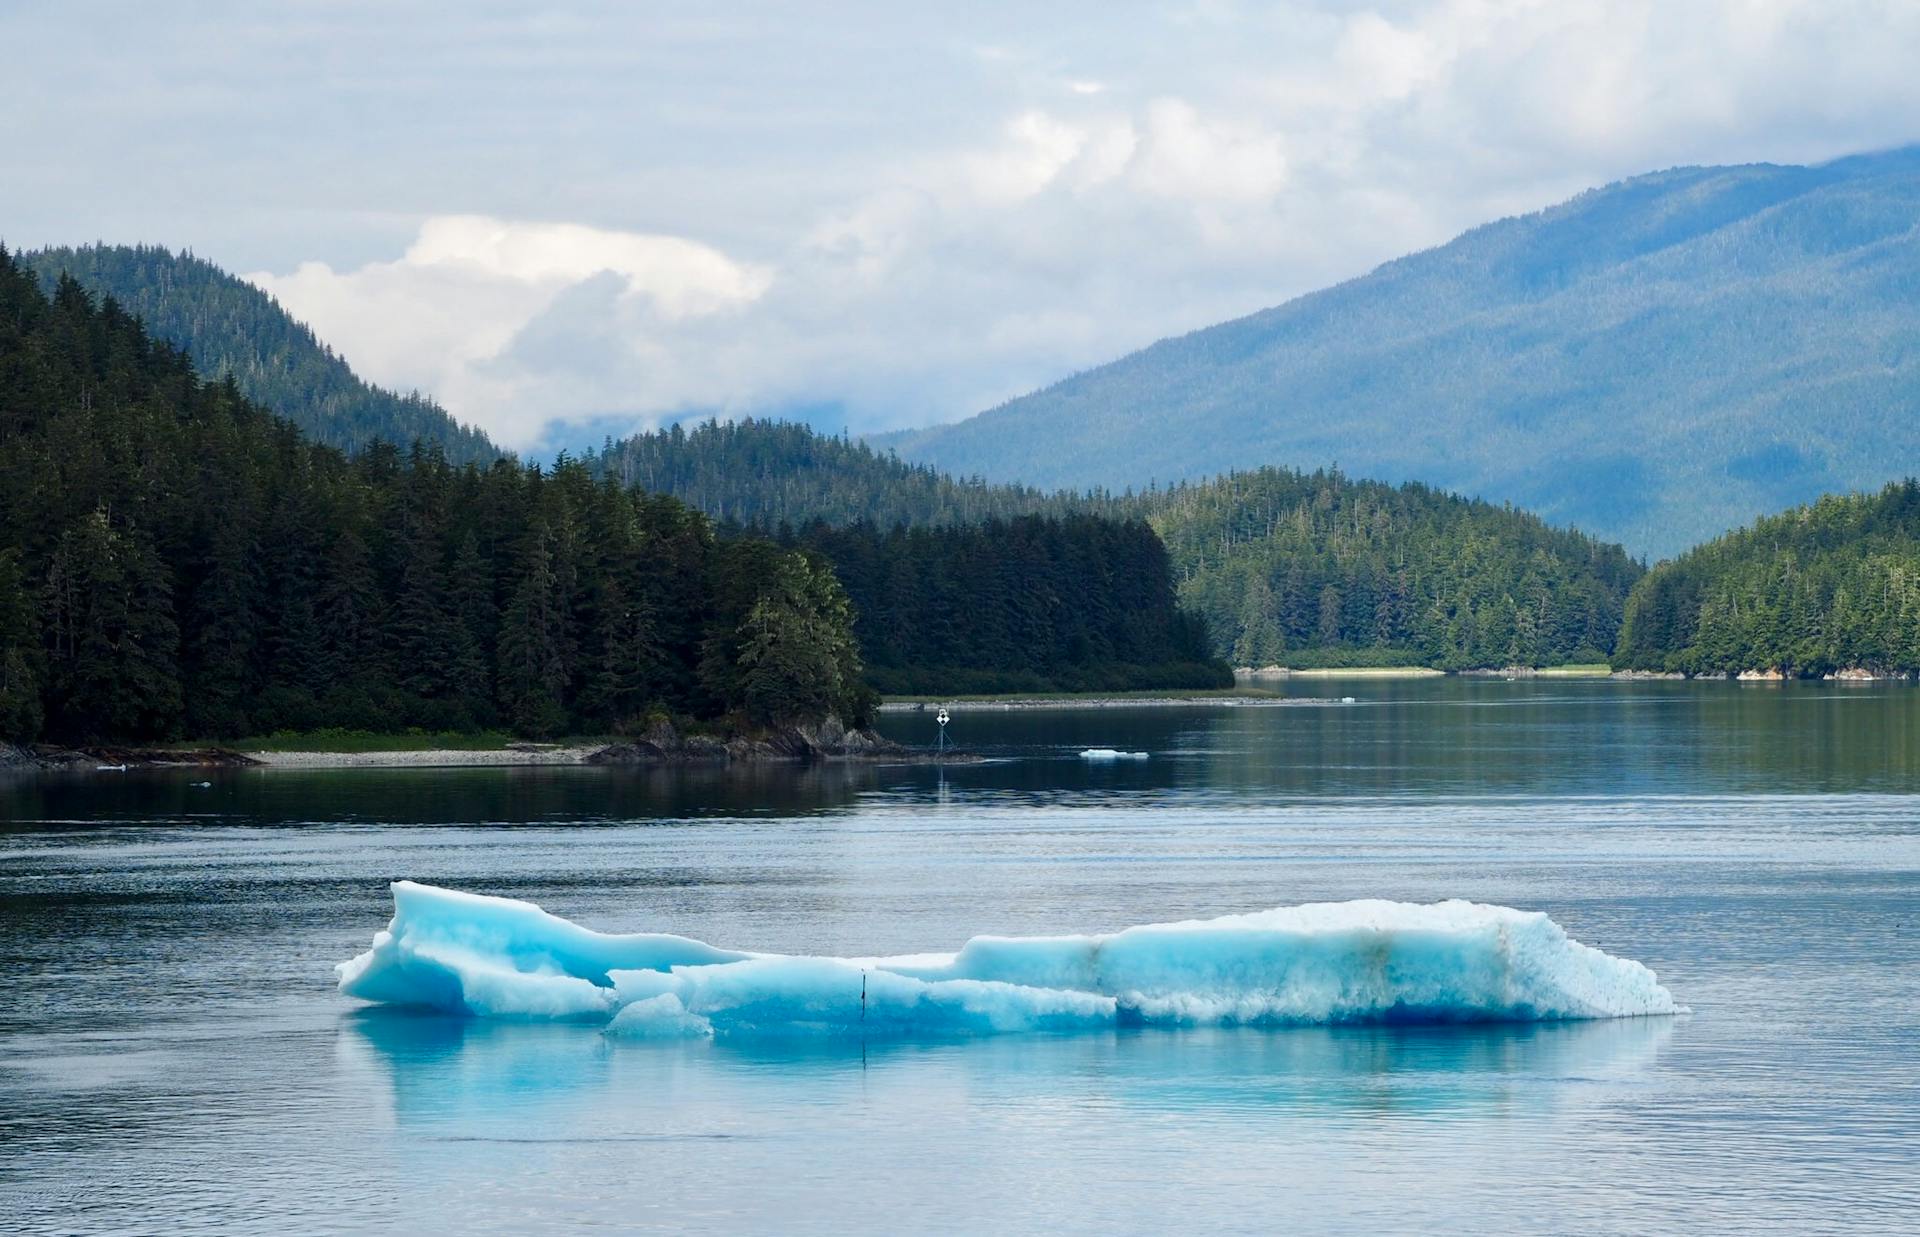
(115, 757)
(828, 741)
(663, 744)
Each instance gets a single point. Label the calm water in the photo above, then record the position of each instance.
(173, 1055)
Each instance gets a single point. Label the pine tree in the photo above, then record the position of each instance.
(532, 667)
(349, 662)
(225, 622)
(20, 710)
(113, 641)
(422, 638)
(475, 624)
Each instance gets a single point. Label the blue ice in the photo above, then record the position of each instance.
(1328, 963)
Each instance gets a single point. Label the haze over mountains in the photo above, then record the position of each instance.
(1656, 362)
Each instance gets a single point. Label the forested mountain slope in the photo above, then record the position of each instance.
(230, 327)
(1305, 569)
(1035, 603)
(958, 585)
(1830, 586)
(1656, 361)
(1283, 566)
(772, 472)
(175, 560)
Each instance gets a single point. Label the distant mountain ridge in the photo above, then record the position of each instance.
(231, 328)
(1831, 588)
(1655, 362)
(1284, 566)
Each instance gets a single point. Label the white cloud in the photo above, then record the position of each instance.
(911, 222)
(682, 277)
(1187, 155)
(443, 316)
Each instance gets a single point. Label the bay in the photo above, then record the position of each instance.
(173, 1055)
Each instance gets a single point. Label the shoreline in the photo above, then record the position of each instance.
(1280, 674)
(596, 755)
(672, 751)
(423, 758)
(1006, 704)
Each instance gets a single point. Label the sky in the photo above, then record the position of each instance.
(605, 215)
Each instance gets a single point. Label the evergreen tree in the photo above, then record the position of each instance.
(423, 639)
(532, 666)
(20, 709)
(1822, 588)
(476, 622)
(113, 643)
(225, 622)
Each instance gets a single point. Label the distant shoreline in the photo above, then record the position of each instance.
(990, 704)
(601, 752)
(429, 758)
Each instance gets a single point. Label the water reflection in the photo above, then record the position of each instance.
(497, 1079)
(1425, 737)
(540, 795)
(1466, 736)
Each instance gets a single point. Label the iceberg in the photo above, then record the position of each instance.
(1320, 964)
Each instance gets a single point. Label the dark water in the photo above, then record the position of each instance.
(173, 1056)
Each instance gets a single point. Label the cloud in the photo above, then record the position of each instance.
(471, 293)
(681, 277)
(910, 222)
(1188, 156)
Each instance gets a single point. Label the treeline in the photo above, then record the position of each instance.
(1821, 588)
(175, 560)
(1035, 603)
(765, 472)
(232, 329)
(1298, 568)
(1319, 569)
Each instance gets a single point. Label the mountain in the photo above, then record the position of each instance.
(1822, 588)
(175, 559)
(1655, 361)
(769, 472)
(1283, 566)
(231, 328)
(1317, 569)
(1031, 604)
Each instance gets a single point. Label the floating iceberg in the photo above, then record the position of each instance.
(1108, 753)
(1330, 963)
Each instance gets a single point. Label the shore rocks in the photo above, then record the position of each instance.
(47, 756)
(804, 743)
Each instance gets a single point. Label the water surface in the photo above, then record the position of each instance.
(173, 1055)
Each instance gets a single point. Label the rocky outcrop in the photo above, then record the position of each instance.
(800, 743)
(47, 756)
